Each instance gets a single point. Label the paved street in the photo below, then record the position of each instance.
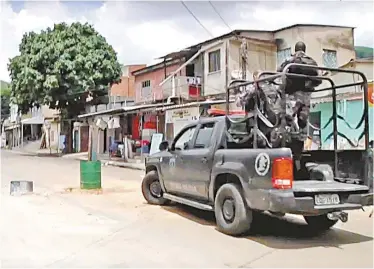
(60, 226)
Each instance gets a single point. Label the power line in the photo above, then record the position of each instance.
(220, 15)
(193, 15)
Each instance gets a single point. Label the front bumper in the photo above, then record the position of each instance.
(286, 202)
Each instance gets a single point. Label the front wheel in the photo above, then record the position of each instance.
(151, 189)
(320, 223)
(233, 217)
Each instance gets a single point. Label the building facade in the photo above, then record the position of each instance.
(203, 71)
(210, 65)
(126, 87)
(120, 95)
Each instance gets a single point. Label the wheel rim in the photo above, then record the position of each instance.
(155, 189)
(228, 210)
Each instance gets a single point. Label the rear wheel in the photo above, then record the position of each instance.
(320, 223)
(233, 217)
(151, 189)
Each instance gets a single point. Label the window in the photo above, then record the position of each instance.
(182, 142)
(329, 58)
(283, 55)
(146, 83)
(146, 89)
(204, 136)
(214, 61)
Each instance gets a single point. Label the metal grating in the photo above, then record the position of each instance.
(329, 58)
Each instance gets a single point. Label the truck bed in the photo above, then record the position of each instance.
(316, 186)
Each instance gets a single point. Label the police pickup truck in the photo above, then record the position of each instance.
(204, 167)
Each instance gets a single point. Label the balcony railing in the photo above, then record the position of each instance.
(185, 87)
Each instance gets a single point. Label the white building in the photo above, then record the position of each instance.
(330, 46)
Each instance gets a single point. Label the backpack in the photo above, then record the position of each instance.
(301, 84)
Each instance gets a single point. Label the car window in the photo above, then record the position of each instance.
(204, 135)
(184, 139)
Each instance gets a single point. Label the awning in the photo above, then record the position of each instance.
(123, 110)
(192, 104)
(33, 120)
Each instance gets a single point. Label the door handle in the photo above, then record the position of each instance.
(204, 160)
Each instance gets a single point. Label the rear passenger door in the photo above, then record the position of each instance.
(197, 162)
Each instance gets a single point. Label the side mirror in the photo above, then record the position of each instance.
(163, 145)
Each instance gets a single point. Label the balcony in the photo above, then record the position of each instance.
(185, 87)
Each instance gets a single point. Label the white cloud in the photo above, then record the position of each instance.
(133, 43)
(143, 40)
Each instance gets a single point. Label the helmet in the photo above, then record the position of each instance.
(300, 46)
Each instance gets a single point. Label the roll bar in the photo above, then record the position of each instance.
(269, 76)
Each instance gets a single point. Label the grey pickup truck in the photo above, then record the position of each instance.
(205, 167)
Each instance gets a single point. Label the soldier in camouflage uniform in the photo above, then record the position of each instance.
(298, 92)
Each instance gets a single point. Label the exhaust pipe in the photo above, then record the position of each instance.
(342, 216)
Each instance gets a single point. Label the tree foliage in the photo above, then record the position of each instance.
(5, 99)
(363, 52)
(61, 67)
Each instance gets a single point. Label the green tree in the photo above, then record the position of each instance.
(61, 67)
(5, 99)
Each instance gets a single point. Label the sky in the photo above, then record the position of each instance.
(141, 31)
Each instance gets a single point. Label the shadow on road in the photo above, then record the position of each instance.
(279, 233)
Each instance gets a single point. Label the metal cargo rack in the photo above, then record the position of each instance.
(269, 76)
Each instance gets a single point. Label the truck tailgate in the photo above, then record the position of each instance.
(315, 186)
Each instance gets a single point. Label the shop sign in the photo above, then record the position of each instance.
(182, 114)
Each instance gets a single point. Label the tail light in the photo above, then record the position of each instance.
(282, 173)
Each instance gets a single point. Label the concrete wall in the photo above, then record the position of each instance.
(352, 112)
(344, 78)
(54, 133)
(261, 56)
(317, 39)
(214, 82)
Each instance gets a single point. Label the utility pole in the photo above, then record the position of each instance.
(244, 57)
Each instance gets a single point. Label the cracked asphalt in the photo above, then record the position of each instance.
(60, 226)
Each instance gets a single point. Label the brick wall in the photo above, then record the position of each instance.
(126, 87)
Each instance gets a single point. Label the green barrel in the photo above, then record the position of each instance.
(90, 175)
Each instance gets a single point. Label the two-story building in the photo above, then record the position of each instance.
(120, 95)
(204, 70)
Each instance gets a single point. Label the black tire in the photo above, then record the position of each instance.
(243, 216)
(319, 223)
(148, 194)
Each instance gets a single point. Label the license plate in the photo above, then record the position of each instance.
(326, 199)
